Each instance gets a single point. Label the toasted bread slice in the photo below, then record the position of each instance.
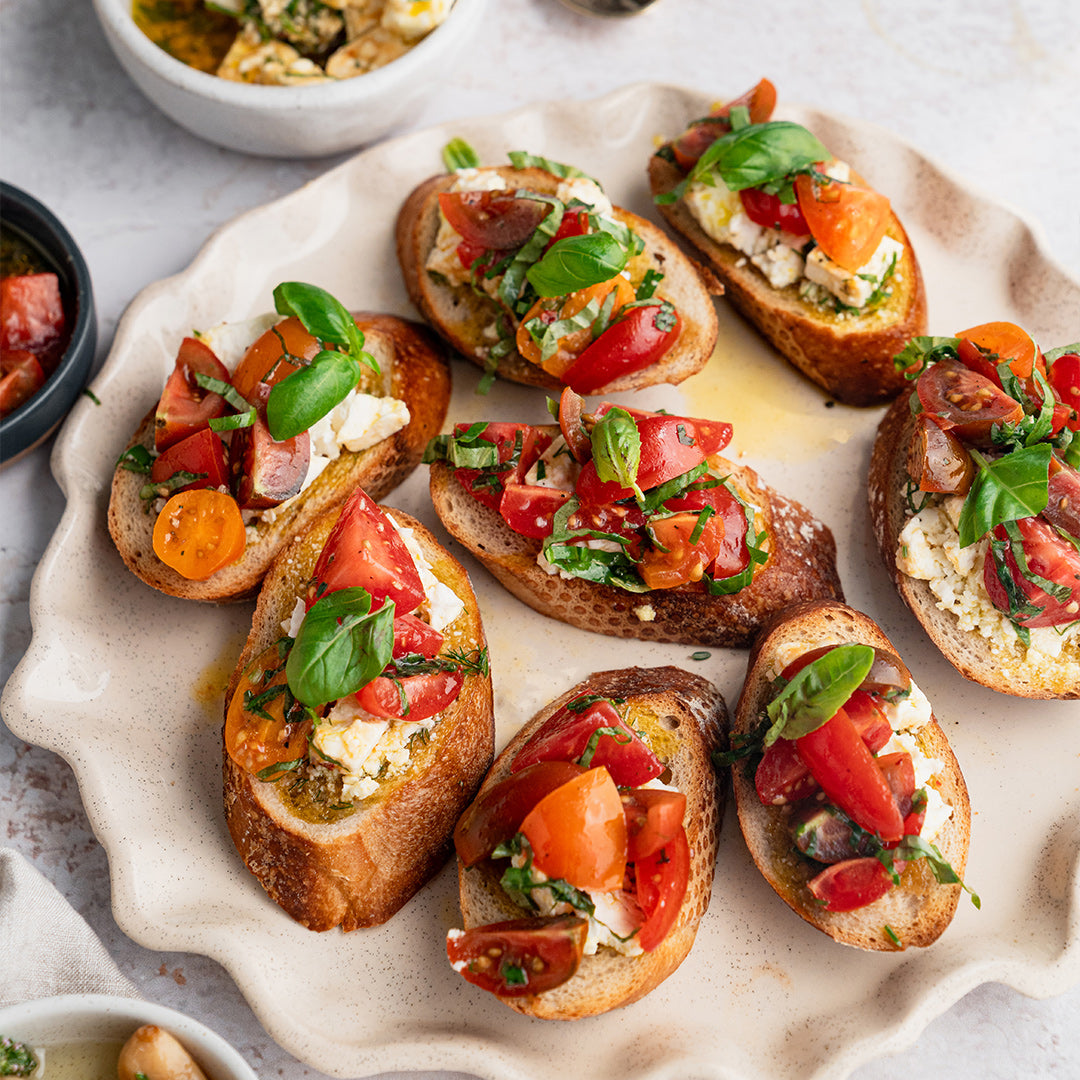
(466, 317)
(801, 566)
(360, 869)
(1011, 667)
(918, 909)
(414, 370)
(850, 356)
(684, 719)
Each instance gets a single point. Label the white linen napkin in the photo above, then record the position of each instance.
(46, 947)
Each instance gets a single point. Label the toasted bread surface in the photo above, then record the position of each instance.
(359, 870)
(848, 356)
(1010, 671)
(918, 909)
(801, 565)
(414, 369)
(465, 317)
(684, 719)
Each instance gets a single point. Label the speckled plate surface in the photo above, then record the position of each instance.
(127, 684)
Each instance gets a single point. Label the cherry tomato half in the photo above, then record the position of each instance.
(266, 472)
(521, 956)
(492, 219)
(937, 459)
(414, 697)
(1049, 556)
(852, 884)
(266, 359)
(674, 559)
(654, 817)
(661, 881)
(203, 452)
(688, 147)
(964, 402)
(199, 532)
(185, 407)
(769, 212)
(847, 220)
(1065, 379)
(983, 347)
(1063, 502)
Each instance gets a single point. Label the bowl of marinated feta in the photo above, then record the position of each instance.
(288, 78)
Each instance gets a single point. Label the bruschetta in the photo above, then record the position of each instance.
(530, 272)
(586, 862)
(975, 502)
(358, 721)
(809, 254)
(630, 523)
(265, 425)
(849, 796)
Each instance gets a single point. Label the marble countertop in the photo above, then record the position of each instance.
(988, 90)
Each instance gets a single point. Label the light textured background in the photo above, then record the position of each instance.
(991, 90)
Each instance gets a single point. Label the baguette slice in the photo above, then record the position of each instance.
(1007, 671)
(918, 909)
(414, 369)
(801, 566)
(361, 869)
(850, 357)
(684, 719)
(464, 316)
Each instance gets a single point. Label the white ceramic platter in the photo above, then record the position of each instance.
(126, 684)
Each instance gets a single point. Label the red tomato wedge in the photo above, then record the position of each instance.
(964, 402)
(685, 549)
(654, 817)
(852, 884)
(578, 832)
(413, 636)
(201, 453)
(415, 697)
(496, 815)
(848, 774)
(769, 212)
(365, 550)
(1065, 379)
(847, 220)
(519, 957)
(983, 347)
(492, 219)
(185, 407)
(732, 556)
(529, 508)
(571, 408)
(661, 881)
(1049, 556)
(566, 736)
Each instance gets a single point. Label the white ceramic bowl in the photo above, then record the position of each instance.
(76, 1018)
(290, 121)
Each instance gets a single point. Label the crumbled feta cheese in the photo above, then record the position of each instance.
(586, 191)
(645, 613)
(357, 422)
(781, 264)
(441, 604)
(853, 288)
(555, 468)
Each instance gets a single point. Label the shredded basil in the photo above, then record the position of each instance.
(458, 154)
(136, 459)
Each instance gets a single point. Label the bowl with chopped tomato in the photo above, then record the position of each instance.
(48, 327)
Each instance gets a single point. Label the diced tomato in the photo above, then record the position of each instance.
(414, 697)
(848, 774)
(364, 549)
(578, 832)
(31, 312)
(635, 341)
(964, 402)
(676, 557)
(519, 957)
(782, 776)
(852, 884)
(265, 726)
(413, 636)
(266, 472)
(983, 347)
(1049, 556)
(497, 813)
(22, 377)
(185, 407)
(504, 434)
(769, 212)
(267, 358)
(567, 735)
(1065, 379)
(529, 508)
(847, 220)
(654, 817)
(661, 881)
(201, 453)
(492, 219)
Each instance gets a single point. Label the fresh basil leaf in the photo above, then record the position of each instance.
(1062, 350)
(1013, 486)
(458, 154)
(812, 698)
(323, 315)
(467, 450)
(616, 447)
(309, 393)
(760, 154)
(521, 159)
(342, 645)
(655, 497)
(920, 352)
(576, 262)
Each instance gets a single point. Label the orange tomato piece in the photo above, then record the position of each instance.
(578, 832)
(265, 726)
(572, 345)
(199, 532)
(682, 561)
(847, 220)
(288, 338)
(1011, 343)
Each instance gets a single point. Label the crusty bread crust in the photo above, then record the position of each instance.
(967, 651)
(414, 369)
(851, 358)
(462, 315)
(684, 719)
(361, 869)
(801, 566)
(918, 909)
